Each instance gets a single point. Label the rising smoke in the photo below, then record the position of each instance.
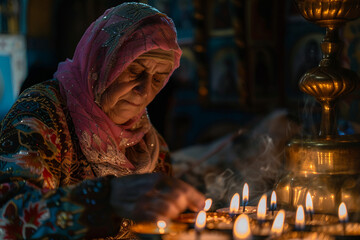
(254, 156)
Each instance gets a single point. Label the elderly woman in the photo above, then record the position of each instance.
(79, 156)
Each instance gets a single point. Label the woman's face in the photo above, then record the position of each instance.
(134, 89)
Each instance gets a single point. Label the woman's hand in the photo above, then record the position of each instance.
(148, 197)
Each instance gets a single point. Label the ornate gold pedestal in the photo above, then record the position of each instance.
(328, 165)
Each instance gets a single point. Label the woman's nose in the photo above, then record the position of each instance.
(142, 86)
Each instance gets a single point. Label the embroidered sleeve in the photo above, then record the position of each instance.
(164, 163)
(66, 212)
(33, 201)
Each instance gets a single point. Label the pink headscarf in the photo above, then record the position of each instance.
(107, 47)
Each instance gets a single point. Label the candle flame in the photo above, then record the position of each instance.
(234, 203)
(278, 224)
(261, 209)
(245, 193)
(300, 218)
(241, 229)
(208, 203)
(273, 200)
(161, 226)
(309, 203)
(343, 215)
(200, 222)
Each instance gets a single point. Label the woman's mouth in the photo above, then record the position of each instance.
(133, 103)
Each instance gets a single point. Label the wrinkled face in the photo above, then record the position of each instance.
(134, 89)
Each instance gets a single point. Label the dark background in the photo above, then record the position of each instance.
(242, 59)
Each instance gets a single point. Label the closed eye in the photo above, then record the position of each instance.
(136, 76)
(159, 78)
(136, 68)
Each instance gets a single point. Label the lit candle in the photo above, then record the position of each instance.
(343, 216)
(300, 218)
(309, 205)
(277, 227)
(298, 234)
(234, 204)
(154, 230)
(199, 232)
(344, 230)
(268, 229)
(161, 226)
(313, 220)
(245, 196)
(200, 223)
(208, 203)
(273, 202)
(211, 217)
(241, 229)
(342, 212)
(261, 209)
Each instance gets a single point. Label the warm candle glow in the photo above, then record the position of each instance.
(200, 222)
(161, 226)
(273, 200)
(343, 215)
(241, 229)
(245, 193)
(234, 203)
(300, 218)
(261, 209)
(278, 224)
(309, 203)
(208, 203)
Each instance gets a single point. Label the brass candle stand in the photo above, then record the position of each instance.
(327, 165)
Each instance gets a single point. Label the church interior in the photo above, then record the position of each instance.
(233, 71)
(236, 94)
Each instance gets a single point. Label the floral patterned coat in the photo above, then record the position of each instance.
(47, 188)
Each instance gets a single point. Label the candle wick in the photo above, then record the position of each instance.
(261, 223)
(311, 216)
(344, 228)
(299, 228)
